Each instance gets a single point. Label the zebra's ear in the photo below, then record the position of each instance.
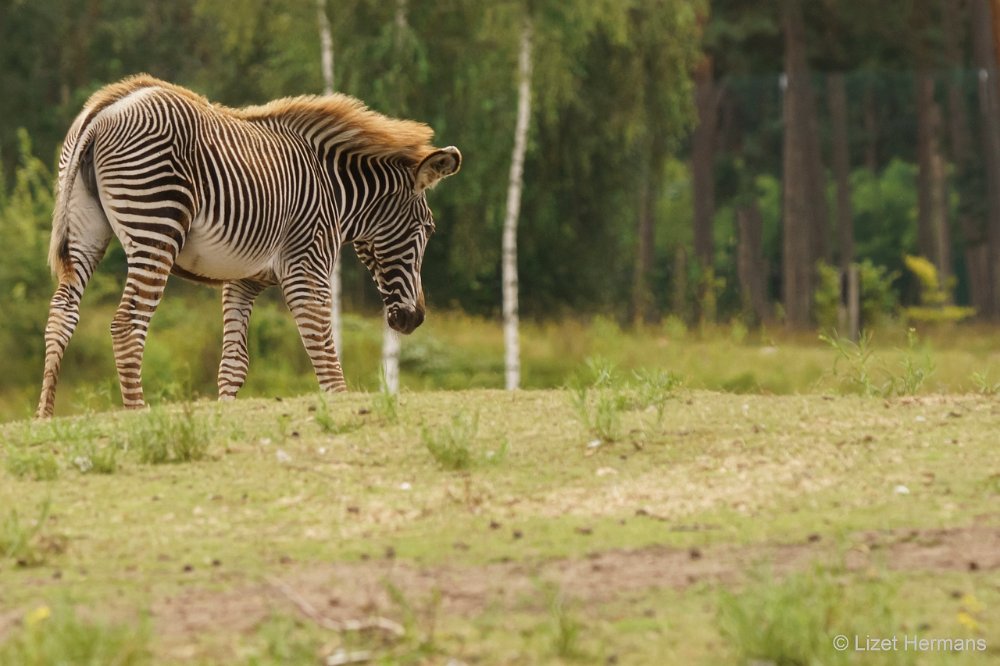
(439, 164)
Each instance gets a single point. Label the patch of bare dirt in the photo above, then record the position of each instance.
(341, 592)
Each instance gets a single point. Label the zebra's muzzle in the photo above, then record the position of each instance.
(405, 320)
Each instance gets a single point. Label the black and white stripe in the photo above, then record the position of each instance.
(246, 199)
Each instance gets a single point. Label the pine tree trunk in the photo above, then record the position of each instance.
(933, 239)
(642, 296)
(960, 142)
(799, 207)
(871, 128)
(989, 109)
(837, 94)
(326, 60)
(702, 162)
(751, 267)
(512, 353)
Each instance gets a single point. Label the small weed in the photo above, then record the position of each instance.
(25, 543)
(598, 400)
(36, 463)
(329, 425)
(385, 405)
(653, 387)
(163, 437)
(420, 624)
(92, 459)
(566, 629)
(984, 384)
(858, 357)
(285, 640)
(794, 621)
(57, 636)
(917, 366)
(450, 445)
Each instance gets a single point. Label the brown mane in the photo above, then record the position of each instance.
(365, 129)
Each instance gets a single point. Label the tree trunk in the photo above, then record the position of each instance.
(702, 162)
(837, 94)
(512, 352)
(391, 341)
(390, 360)
(871, 128)
(642, 295)
(751, 268)
(802, 216)
(326, 61)
(932, 222)
(960, 142)
(989, 109)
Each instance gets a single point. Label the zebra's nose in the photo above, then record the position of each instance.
(405, 320)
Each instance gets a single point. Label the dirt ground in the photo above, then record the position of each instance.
(354, 592)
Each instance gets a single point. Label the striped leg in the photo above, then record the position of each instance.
(64, 312)
(310, 299)
(144, 285)
(237, 302)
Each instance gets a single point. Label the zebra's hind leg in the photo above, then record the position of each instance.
(237, 302)
(64, 310)
(310, 300)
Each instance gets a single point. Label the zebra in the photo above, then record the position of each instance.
(244, 199)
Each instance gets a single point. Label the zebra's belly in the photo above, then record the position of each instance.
(217, 261)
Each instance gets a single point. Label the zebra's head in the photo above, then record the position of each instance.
(395, 251)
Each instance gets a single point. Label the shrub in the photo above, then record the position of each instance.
(165, 437)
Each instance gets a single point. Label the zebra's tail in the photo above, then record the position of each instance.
(76, 155)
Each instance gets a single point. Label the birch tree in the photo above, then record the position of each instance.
(390, 338)
(326, 60)
(512, 351)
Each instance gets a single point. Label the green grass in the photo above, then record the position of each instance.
(453, 351)
(58, 636)
(413, 519)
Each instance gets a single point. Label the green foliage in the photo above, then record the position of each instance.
(57, 636)
(37, 463)
(450, 446)
(385, 405)
(24, 278)
(984, 384)
(869, 376)
(879, 299)
(597, 401)
(328, 424)
(826, 298)
(26, 544)
(600, 397)
(794, 620)
(935, 298)
(566, 628)
(170, 436)
(90, 458)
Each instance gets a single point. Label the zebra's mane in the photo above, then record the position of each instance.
(345, 119)
(335, 117)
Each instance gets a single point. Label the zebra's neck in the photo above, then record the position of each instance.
(365, 189)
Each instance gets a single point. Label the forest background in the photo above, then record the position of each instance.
(693, 168)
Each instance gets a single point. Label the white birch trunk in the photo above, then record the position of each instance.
(326, 59)
(390, 339)
(512, 351)
(390, 360)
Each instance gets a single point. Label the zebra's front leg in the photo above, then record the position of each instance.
(310, 300)
(147, 277)
(237, 302)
